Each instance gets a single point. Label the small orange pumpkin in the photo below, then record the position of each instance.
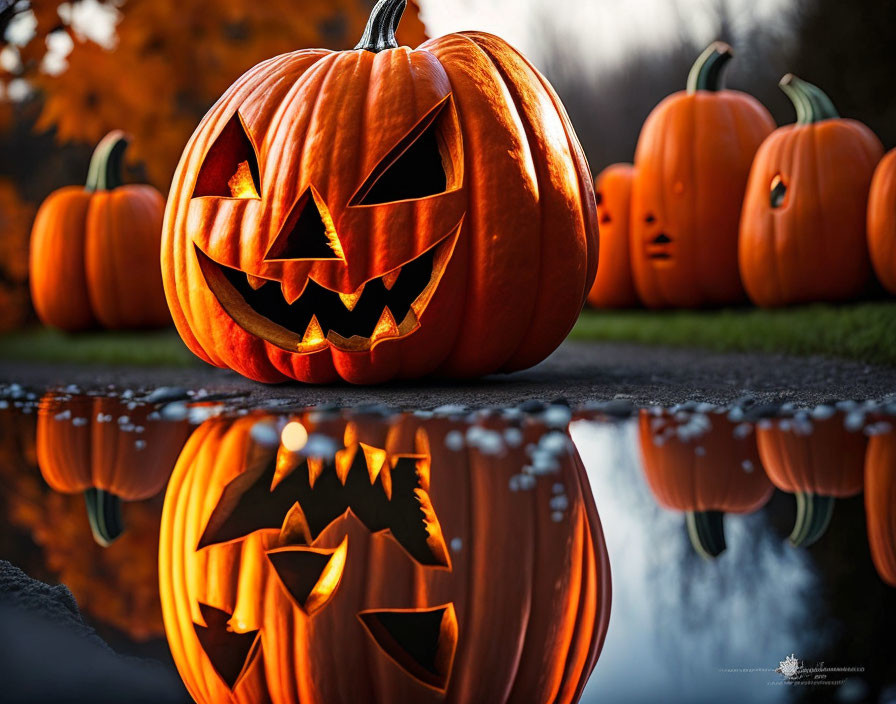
(613, 286)
(395, 561)
(692, 161)
(880, 503)
(706, 476)
(819, 463)
(100, 447)
(94, 250)
(882, 221)
(381, 213)
(802, 232)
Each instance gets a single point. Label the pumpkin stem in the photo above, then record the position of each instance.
(104, 514)
(706, 73)
(104, 172)
(813, 514)
(810, 101)
(379, 34)
(707, 532)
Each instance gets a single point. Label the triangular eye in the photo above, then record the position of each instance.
(426, 162)
(422, 642)
(308, 233)
(230, 169)
(227, 651)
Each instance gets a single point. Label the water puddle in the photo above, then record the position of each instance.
(457, 554)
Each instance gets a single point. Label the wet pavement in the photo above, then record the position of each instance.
(743, 551)
(578, 371)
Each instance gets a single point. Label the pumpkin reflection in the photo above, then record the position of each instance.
(880, 503)
(704, 465)
(110, 450)
(819, 460)
(414, 554)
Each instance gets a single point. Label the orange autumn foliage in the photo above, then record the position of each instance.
(172, 60)
(15, 225)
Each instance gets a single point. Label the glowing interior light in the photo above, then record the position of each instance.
(294, 436)
(241, 184)
(314, 334)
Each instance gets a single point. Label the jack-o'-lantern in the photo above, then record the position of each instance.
(882, 221)
(802, 231)
(880, 503)
(613, 286)
(818, 461)
(692, 161)
(705, 472)
(94, 250)
(403, 567)
(109, 449)
(381, 213)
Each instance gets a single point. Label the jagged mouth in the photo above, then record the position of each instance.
(385, 308)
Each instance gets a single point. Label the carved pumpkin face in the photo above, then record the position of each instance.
(802, 233)
(398, 559)
(705, 471)
(368, 214)
(692, 162)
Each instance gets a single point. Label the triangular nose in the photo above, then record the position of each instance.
(308, 233)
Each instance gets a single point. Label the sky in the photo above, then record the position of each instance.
(605, 29)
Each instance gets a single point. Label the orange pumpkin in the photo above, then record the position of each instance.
(880, 503)
(381, 213)
(108, 451)
(882, 221)
(384, 572)
(613, 286)
(802, 232)
(94, 250)
(819, 461)
(692, 161)
(706, 474)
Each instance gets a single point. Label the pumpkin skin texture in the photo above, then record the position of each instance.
(705, 476)
(882, 221)
(83, 447)
(692, 161)
(93, 250)
(818, 463)
(802, 232)
(880, 503)
(511, 569)
(613, 286)
(504, 246)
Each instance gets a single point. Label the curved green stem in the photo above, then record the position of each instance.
(105, 172)
(706, 73)
(810, 101)
(379, 34)
(813, 514)
(707, 532)
(104, 514)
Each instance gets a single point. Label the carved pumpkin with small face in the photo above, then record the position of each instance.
(613, 286)
(819, 461)
(692, 161)
(403, 567)
(802, 232)
(706, 472)
(381, 213)
(100, 447)
(94, 250)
